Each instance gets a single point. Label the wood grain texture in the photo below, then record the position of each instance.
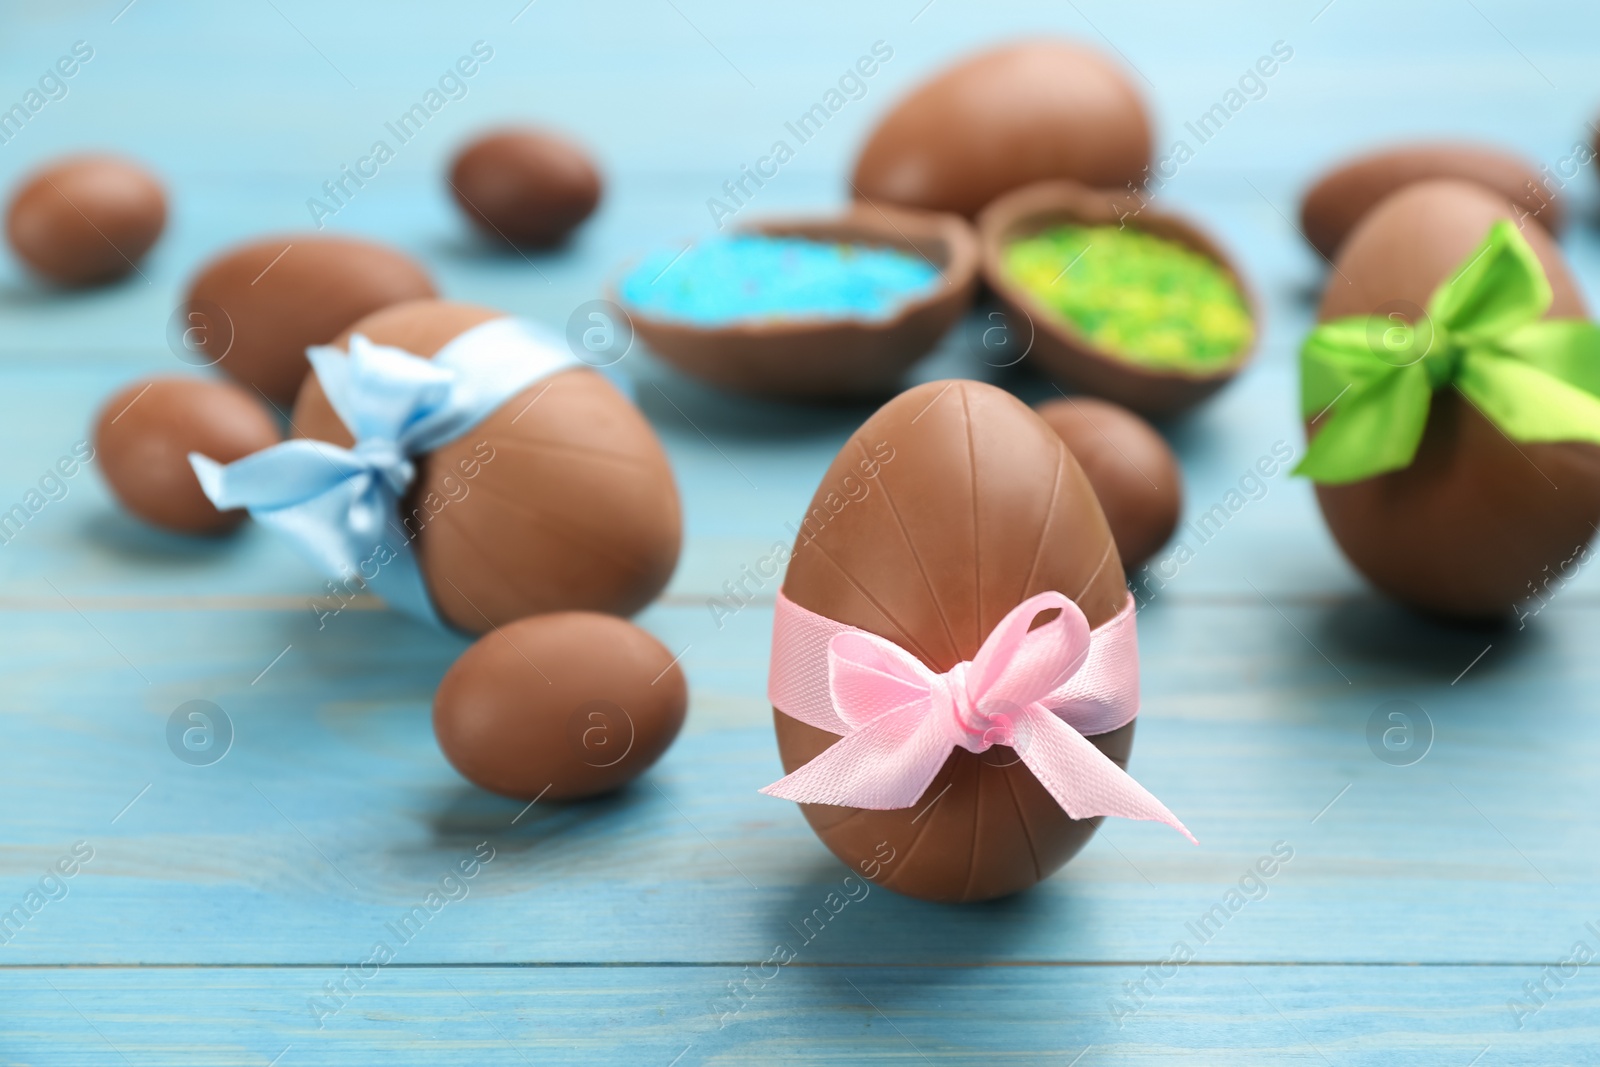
(1418, 899)
(798, 1014)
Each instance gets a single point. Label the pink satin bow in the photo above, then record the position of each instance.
(1040, 691)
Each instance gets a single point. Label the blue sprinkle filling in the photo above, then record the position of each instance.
(753, 279)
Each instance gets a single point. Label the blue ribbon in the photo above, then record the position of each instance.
(341, 506)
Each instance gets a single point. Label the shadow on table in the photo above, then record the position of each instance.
(677, 402)
(832, 916)
(1306, 293)
(469, 247)
(124, 537)
(540, 839)
(25, 294)
(1376, 633)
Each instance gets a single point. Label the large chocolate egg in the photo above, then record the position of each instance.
(146, 431)
(1134, 473)
(945, 510)
(255, 309)
(1005, 118)
(1340, 198)
(561, 500)
(86, 219)
(1470, 527)
(560, 706)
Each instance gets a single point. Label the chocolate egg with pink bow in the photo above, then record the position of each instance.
(561, 499)
(944, 512)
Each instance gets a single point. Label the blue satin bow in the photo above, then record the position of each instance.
(341, 506)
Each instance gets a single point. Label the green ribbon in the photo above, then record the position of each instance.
(1369, 380)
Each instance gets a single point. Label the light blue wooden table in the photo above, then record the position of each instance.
(217, 905)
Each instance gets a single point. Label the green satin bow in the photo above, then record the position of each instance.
(1370, 379)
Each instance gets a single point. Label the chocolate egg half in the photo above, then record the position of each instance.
(146, 431)
(1470, 527)
(559, 706)
(1341, 197)
(86, 219)
(1134, 473)
(1002, 119)
(1056, 344)
(525, 186)
(826, 358)
(959, 503)
(254, 310)
(560, 500)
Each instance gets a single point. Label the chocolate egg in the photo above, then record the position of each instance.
(146, 431)
(255, 309)
(86, 219)
(1469, 528)
(525, 186)
(820, 358)
(1340, 198)
(1005, 118)
(560, 500)
(1058, 346)
(959, 503)
(1135, 475)
(559, 706)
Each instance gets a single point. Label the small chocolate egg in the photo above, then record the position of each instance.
(1476, 520)
(559, 706)
(1135, 475)
(1341, 197)
(950, 506)
(560, 500)
(254, 309)
(525, 186)
(146, 431)
(1005, 118)
(86, 219)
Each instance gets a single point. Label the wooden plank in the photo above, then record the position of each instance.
(801, 1013)
(334, 808)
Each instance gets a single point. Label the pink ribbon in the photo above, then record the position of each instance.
(1041, 691)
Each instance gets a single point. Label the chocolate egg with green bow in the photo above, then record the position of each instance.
(947, 509)
(1450, 423)
(561, 499)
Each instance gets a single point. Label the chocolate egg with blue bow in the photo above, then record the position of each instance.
(947, 509)
(1477, 522)
(560, 500)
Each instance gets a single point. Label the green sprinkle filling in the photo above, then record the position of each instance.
(1143, 298)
